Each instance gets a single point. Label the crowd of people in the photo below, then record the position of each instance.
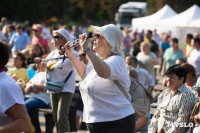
(110, 54)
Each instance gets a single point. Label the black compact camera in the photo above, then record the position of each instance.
(29, 61)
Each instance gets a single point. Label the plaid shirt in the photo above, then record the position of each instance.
(172, 109)
(194, 91)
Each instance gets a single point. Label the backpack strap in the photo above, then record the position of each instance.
(121, 89)
(147, 92)
(125, 93)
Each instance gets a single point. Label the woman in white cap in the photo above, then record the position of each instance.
(58, 71)
(106, 109)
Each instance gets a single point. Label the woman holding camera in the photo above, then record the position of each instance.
(106, 109)
(57, 71)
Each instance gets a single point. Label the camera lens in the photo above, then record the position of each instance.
(62, 50)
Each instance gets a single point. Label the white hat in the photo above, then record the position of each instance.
(65, 34)
(113, 35)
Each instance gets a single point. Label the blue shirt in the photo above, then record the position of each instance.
(171, 56)
(164, 46)
(19, 42)
(145, 129)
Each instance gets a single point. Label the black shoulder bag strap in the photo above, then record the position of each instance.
(68, 76)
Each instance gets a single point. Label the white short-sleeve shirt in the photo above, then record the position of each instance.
(37, 79)
(144, 59)
(10, 94)
(58, 75)
(194, 59)
(145, 78)
(103, 100)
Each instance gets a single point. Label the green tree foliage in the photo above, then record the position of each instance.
(21, 10)
(78, 11)
(69, 11)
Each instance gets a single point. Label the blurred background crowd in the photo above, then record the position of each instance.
(27, 27)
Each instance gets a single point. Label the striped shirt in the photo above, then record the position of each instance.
(172, 111)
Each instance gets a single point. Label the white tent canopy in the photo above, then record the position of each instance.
(151, 21)
(182, 19)
(194, 23)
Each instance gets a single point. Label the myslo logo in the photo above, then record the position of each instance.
(181, 124)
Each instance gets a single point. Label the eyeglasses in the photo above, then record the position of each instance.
(35, 30)
(97, 35)
(56, 37)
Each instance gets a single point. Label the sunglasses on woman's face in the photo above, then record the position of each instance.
(35, 30)
(56, 37)
(97, 35)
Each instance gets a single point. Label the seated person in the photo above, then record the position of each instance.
(195, 116)
(19, 73)
(132, 73)
(36, 51)
(175, 104)
(142, 123)
(35, 95)
(144, 77)
(13, 114)
(191, 79)
(178, 62)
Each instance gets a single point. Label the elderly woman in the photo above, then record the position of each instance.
(13, 115)
(59, 70)
(147, 58)
(106, 109)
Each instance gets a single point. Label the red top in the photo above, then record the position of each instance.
(43, 42)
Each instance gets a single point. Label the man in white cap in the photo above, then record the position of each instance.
(61, 71)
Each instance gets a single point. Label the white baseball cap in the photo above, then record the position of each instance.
(65, 34)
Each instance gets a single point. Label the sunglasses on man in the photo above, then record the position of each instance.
(97, 35)
(56, 37)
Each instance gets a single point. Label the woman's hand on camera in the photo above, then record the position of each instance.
(83, 41)
(83, 58)
(69, 51)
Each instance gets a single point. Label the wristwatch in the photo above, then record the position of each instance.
(87, 49)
